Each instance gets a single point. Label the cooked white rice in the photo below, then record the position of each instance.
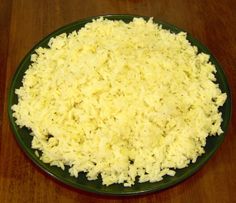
(121, 100)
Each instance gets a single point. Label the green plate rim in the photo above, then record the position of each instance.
(154, 186)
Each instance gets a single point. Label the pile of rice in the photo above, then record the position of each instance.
(123, 100)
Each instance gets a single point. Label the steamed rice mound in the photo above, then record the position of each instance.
(123, 100)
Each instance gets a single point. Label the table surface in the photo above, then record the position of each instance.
(24, 22)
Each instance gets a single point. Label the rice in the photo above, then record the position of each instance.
(120, 100)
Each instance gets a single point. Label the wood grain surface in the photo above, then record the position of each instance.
(24, 22)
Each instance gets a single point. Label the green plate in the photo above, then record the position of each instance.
(24, 139)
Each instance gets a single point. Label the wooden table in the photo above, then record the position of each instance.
(25, 22)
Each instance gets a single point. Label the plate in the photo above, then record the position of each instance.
(24, 139)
